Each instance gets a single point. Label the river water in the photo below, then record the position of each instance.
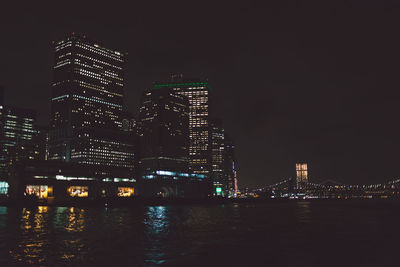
(293, 233)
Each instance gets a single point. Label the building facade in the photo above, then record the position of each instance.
(17, 132)
(52, 182)
(163, 128)
(230, 167)
(87, 105)
(220, 185)
(197, 92)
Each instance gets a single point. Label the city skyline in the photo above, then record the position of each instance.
(102, 150)
(329, 103)
(210, 133)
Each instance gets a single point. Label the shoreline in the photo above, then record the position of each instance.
(176, 202)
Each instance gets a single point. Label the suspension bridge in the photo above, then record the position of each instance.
(330, 189)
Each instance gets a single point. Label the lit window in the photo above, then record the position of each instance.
(125, 191)
(78, 191)
(40, 191)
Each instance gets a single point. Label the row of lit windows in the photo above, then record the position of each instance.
(62, 45)
(97, 101)
(102, 51)
(99, 61)
(99, 68)
(62, 63)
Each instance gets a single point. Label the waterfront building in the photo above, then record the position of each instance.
(220, 185)
(163, 128)
(198, 92)
(57, 181)
(87, 105)
(36, 149)
(229, 163)
(17, 131)
(301, 174)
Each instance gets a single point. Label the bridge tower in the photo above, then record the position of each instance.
(301, 174)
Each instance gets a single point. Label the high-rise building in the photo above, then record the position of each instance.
(17, 130)
(197, 92)
(87, 105)
(163, 128)
(230, 167)
(301, 174)
(217, 158)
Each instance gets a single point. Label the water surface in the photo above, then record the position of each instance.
(307, 233)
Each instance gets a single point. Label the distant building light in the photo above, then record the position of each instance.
(4, 188)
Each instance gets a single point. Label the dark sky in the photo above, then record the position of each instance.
(315, 81)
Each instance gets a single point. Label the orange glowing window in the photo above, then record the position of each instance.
(78, 191)
(125, 191)
(40, 191)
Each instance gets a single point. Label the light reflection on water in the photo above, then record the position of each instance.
(156, 232)
(33, 241)
(36, 234)
(76, 220)
(229, 234)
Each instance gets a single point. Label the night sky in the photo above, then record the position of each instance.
(293, 80)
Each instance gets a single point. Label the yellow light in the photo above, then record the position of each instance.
(78, 191)
(125, 191)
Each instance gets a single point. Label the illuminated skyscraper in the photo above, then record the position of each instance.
(217, 158)
(301, 174)
(163, 129)
(17, 131)
(197, 92)
(86, 105)
(229, 166)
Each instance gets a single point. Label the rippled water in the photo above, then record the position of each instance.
(327, 233)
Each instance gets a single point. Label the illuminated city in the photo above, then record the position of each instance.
(199, 133)
(95, 150)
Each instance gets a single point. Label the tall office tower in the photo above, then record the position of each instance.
(17, 131)
(163, 128)
(229, 166)
(301, 174)
(217, 158)
(86, 106)
(197, 92)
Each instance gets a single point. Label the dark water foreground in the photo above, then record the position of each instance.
(294, 233)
